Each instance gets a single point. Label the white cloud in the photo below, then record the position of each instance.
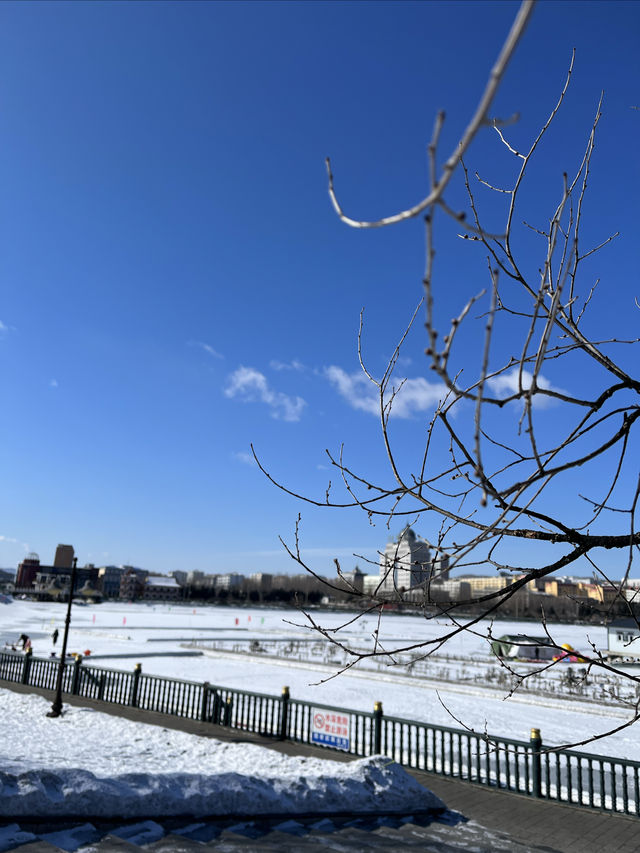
(415, 395)
(404, 361)
(291, 365)
(355, 388)
(244, 457)
(250, 386)
(53, 383)
(13, 541)
(207, 348)
(509, 383)
(3, 327)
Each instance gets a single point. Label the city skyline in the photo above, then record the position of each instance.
(176, 285)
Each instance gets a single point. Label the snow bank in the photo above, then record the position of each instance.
(12, 836)
(370, 785)
(91, 764)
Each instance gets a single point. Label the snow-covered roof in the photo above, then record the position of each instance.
(525, 638)
(162, 581)
(622, 622)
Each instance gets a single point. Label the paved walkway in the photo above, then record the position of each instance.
(538, 824)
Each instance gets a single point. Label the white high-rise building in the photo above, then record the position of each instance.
(406, 563)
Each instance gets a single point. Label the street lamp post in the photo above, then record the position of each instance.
(56, 708)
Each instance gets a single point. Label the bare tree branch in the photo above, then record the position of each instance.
(480, 118)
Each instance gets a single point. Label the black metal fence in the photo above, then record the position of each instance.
(525, 767)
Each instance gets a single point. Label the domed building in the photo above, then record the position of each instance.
(406, 563)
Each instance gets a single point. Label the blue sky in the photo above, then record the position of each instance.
(174, 284)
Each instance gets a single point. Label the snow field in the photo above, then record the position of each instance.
(118, 634)
(93, 764)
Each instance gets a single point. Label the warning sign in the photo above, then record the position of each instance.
(331, 728)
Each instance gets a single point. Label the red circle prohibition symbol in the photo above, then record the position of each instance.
(318, 721)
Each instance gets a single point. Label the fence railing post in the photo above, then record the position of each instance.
(377, 728)
(284, 714)
(26, 666)
(228, 708)
(217, 714)
(77, 663)
(536, 763)
(133, 699)
(204, 704)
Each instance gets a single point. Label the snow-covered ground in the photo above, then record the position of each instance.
(88, 763)
(457, 682)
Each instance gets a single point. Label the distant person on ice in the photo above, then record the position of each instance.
(24, 639)
(54, 636)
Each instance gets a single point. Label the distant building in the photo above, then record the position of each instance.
(582, 589)
(370, 584)
(57, 579)
(229, 581)
(35, 578)
(632, 590)
(90, 592)
(161, 589)
(406, 563)
(440, 568)
(262, 581)
(109, 580)
(64, 557)
(52, 578)
(623, 636)
(354, 580)
(181, 577)
(483, 585)
(27, 571)
(454, 589)
(132, 583)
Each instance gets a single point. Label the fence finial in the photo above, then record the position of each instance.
(536, 763)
